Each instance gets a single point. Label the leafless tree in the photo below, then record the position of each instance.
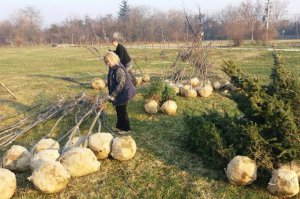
(239, 22)
(27, 26)
(6, 33)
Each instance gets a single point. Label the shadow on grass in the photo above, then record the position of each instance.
(15, 104)
(68, 79)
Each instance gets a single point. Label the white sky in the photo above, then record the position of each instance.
(55, 11)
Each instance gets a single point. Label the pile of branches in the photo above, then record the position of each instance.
(192, 52)
(82, 106)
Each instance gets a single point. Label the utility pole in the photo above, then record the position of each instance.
(267, 17)
(297, 29)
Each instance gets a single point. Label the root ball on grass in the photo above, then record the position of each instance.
(123, 148)
(284, 183)
(43, 156)
(50, 177)
(194, 81)
(205, 91)
(139, 81)
(46, 143)
(80, 161)
(151, 107)
(216, 85)
(98, 84)
(169, 107)
(146, 78)
(8, 183)
(241, 170)
(100, 143)
(190, 93)
(17, 158)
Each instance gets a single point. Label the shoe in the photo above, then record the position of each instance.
(114, 129)
(124, 132)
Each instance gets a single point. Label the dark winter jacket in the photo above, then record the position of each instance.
(123, 55)
(120, 85)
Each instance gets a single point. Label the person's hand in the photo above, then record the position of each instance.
(102, 106)
(110, 98)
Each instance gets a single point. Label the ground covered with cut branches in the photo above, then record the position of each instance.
(162, 167)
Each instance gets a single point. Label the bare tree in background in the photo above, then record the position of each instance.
(145, 24)
(27, 26)
(175, 25)
(278, 11)
(278, 21)
(6, 33)
(235, 26)
(251, 13)
(105, 27)
(54, 35)
(136, 28)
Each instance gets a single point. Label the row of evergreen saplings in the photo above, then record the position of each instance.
(51, 170)
(265, 136)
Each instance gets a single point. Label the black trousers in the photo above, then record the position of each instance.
(122, 118)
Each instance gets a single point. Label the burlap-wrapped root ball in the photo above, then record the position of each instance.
(43, 156)
(139, 81)
(169, 107)
(151, 107)
(146, 78)
(241, 170)
(187, 86)
(194, 81)
(205, 91)
(176, 89)
(284, 183)
(80, 161)
(190, 93)
(17, 158)
(123, 148)
(46, 143)
(8, 183)
(100, 143)
(98, 84)
(216, 85)
(50, 177)
(295, 166)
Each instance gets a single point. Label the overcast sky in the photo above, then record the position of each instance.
(55, 11)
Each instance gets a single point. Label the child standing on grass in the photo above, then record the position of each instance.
(121, 90)
(124, 57)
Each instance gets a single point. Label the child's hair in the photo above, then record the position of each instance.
(112, 58)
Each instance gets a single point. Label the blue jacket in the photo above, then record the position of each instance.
(120, 85)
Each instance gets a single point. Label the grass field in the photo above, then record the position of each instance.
(162, 167)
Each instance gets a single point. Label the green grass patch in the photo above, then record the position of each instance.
(162, 167)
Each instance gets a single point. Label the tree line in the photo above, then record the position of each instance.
(248, 20)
